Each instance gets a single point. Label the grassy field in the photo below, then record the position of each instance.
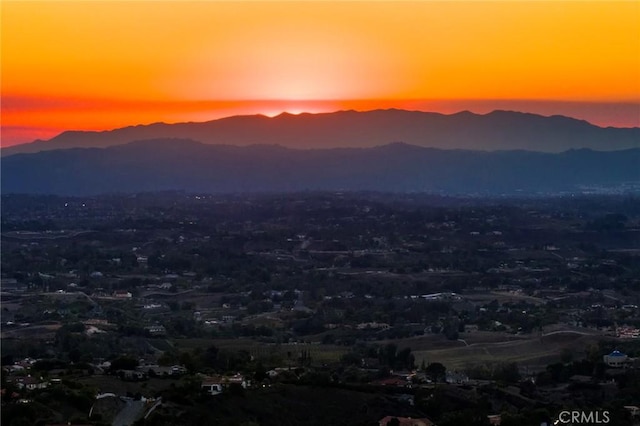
(535, 352)
(31, 332)
(439, 341)
(478, 347)
(319, 353)
(160, 344)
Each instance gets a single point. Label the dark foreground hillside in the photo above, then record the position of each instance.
(281, 405)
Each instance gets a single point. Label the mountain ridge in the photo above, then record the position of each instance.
(497, 130)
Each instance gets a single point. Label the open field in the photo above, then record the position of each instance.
(532, 352)
(318, 353)
(429, 342)
(31, 332)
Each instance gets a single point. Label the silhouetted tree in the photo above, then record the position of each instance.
(436, 371)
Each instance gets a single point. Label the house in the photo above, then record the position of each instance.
(156, 330)
(177, 370)
(212, 386)
(616, 359)
(10, 284)
(373, 326)
(579, 378)
(393, 381)
(633, 410)
(132, 375)
(405, 421)
(153, 370)
(122, 294)
(495, 419)
(13, 368)
(156, 370)
(456, 377)
(216, 385)
(104, 365)
(237, 379)
(30, 383)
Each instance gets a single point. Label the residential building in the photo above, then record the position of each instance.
(616, 359)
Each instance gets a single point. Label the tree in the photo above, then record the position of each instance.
(387, 354)
(261, 372)
(124, 363)
(191, 363)
(168, 358)
(393, 422)
(404, 359)
(75, 355)
(508, 373)
(451, 327)
(351, 358)
(210, 357)
(436, 371)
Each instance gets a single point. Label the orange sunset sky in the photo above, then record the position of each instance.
(94, 65)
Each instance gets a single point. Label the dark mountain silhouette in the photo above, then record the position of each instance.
(179, 164)
(499, 130)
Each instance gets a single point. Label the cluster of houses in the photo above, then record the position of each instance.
(30, 383)
(19, 374)
(143, 372)
(626, 332)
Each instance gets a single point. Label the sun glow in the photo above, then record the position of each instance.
(276, 113)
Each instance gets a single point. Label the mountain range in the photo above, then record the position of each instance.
(498, 130)
(185, 164)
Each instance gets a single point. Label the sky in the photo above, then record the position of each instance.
(97, 65)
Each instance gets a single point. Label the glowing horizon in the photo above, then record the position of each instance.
(599, 114)
(88, 65)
